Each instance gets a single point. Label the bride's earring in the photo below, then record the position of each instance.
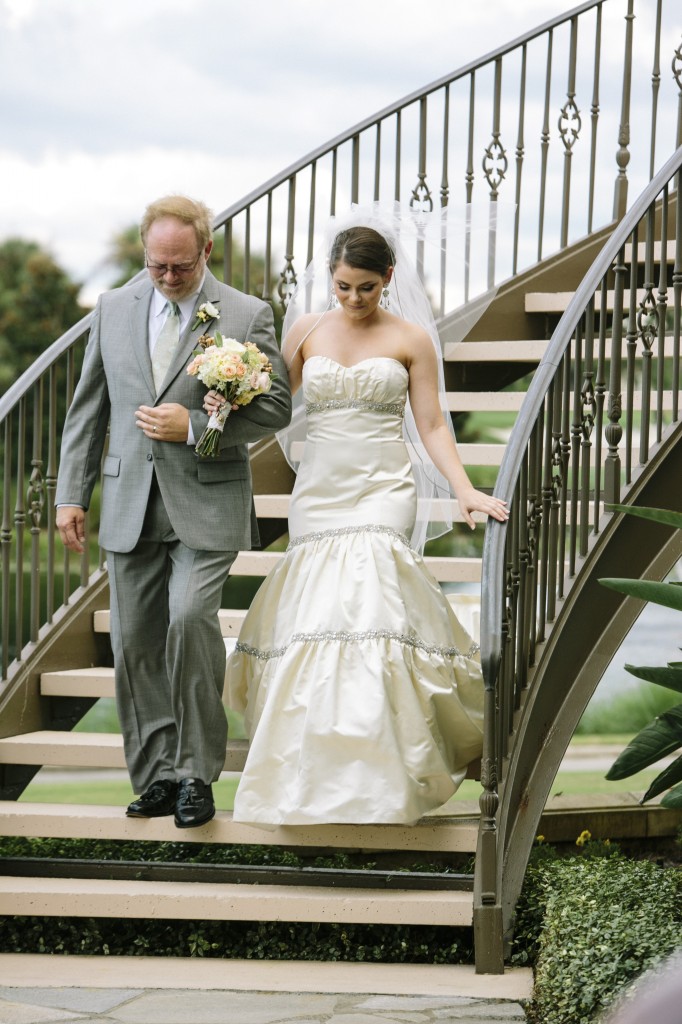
(384, 301)
(333, 301)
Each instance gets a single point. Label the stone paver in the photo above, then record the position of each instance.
(183, 1006)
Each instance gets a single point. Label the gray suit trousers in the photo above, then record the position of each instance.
(169, 655)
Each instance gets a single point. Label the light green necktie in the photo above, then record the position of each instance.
(166, 343)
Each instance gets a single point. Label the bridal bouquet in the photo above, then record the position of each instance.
(239, 372)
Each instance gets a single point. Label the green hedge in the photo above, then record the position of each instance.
(591, 924)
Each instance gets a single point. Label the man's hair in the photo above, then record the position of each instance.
(189, 211)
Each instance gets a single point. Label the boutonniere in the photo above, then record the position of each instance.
(206, 311)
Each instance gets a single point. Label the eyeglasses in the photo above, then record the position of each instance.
(177, 269)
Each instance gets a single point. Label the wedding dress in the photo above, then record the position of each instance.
(362, 693)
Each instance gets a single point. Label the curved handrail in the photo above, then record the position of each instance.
(613, 354)
(393, 108)
(493, 550)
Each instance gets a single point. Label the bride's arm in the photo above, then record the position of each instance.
(436, 437)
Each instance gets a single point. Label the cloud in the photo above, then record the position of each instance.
(107, 106)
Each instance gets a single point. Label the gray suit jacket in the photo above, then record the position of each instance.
(209, 501)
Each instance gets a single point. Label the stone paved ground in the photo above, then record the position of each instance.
(182, 1006)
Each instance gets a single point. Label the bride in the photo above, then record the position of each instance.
(362, 693)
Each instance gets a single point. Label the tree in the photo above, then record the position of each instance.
(38, 302)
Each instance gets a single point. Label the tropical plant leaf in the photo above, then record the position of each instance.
(670, 775)
(670, 677)
(656, 740)
(673, 798)
(658, 515)
(647, 590)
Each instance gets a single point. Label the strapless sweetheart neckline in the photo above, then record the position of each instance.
(367, 359)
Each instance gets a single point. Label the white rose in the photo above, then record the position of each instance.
(210, 310)
(264, 382)
(232, 345)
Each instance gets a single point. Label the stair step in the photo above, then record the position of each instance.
(212, 979)
(529, 351)
(444, 569)
(438, 833)
(86, 750)
(471, 454)
(557, 302)
(276, 506)
(65, 897)
(641, 251)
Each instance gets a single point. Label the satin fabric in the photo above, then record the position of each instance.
(361, 691)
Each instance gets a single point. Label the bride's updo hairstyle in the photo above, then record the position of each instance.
(363, 249)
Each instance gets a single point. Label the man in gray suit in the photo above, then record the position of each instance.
(171, 523)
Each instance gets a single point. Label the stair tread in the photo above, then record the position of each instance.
(458, 981)
(226, 901)
(452, 833)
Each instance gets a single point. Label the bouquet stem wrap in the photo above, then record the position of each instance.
(208, 444)
(238, 372)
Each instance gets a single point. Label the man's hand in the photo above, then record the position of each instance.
(166, 422)
(71, 525)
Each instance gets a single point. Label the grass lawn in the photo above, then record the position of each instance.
(118, 792)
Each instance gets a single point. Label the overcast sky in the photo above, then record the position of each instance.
(107, 105)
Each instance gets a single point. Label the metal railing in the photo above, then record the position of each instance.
(447, 146)
(602, 411)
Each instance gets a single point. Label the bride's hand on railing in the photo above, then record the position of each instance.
(472, 500)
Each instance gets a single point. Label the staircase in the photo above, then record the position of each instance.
(56, 659)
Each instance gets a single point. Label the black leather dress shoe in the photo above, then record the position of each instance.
(194, 804)
(156, 802)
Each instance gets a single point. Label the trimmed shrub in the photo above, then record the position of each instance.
(592, 925)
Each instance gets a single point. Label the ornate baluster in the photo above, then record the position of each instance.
(247, 251)
(565, 451)
(570, 124)
(594, 115)
(267, 276)
(677, 297)
(495, 166)
(588, 406)
(469, 183)
(600, 398)
(677, 75)
(544, 141)
(355, 170)
(444, 192)
(377, 164)
(655, 86)
(524, 566)
(19, 521)
(630, 357)
(6, 545)
(227, 251)
(576, 435)
(535, 464)
(614, 431)
(35, 503)
(662, 310)
(556, 485)
(620, 198)
(547, 479)
(334, 179)
(398, 154)
(287, 277)
(647, 326)
(51, 488)
(520, 150)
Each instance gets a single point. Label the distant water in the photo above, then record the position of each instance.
(655, 639)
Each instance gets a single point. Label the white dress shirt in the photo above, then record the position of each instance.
(157, 318)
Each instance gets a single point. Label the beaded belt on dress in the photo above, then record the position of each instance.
(392, 408)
